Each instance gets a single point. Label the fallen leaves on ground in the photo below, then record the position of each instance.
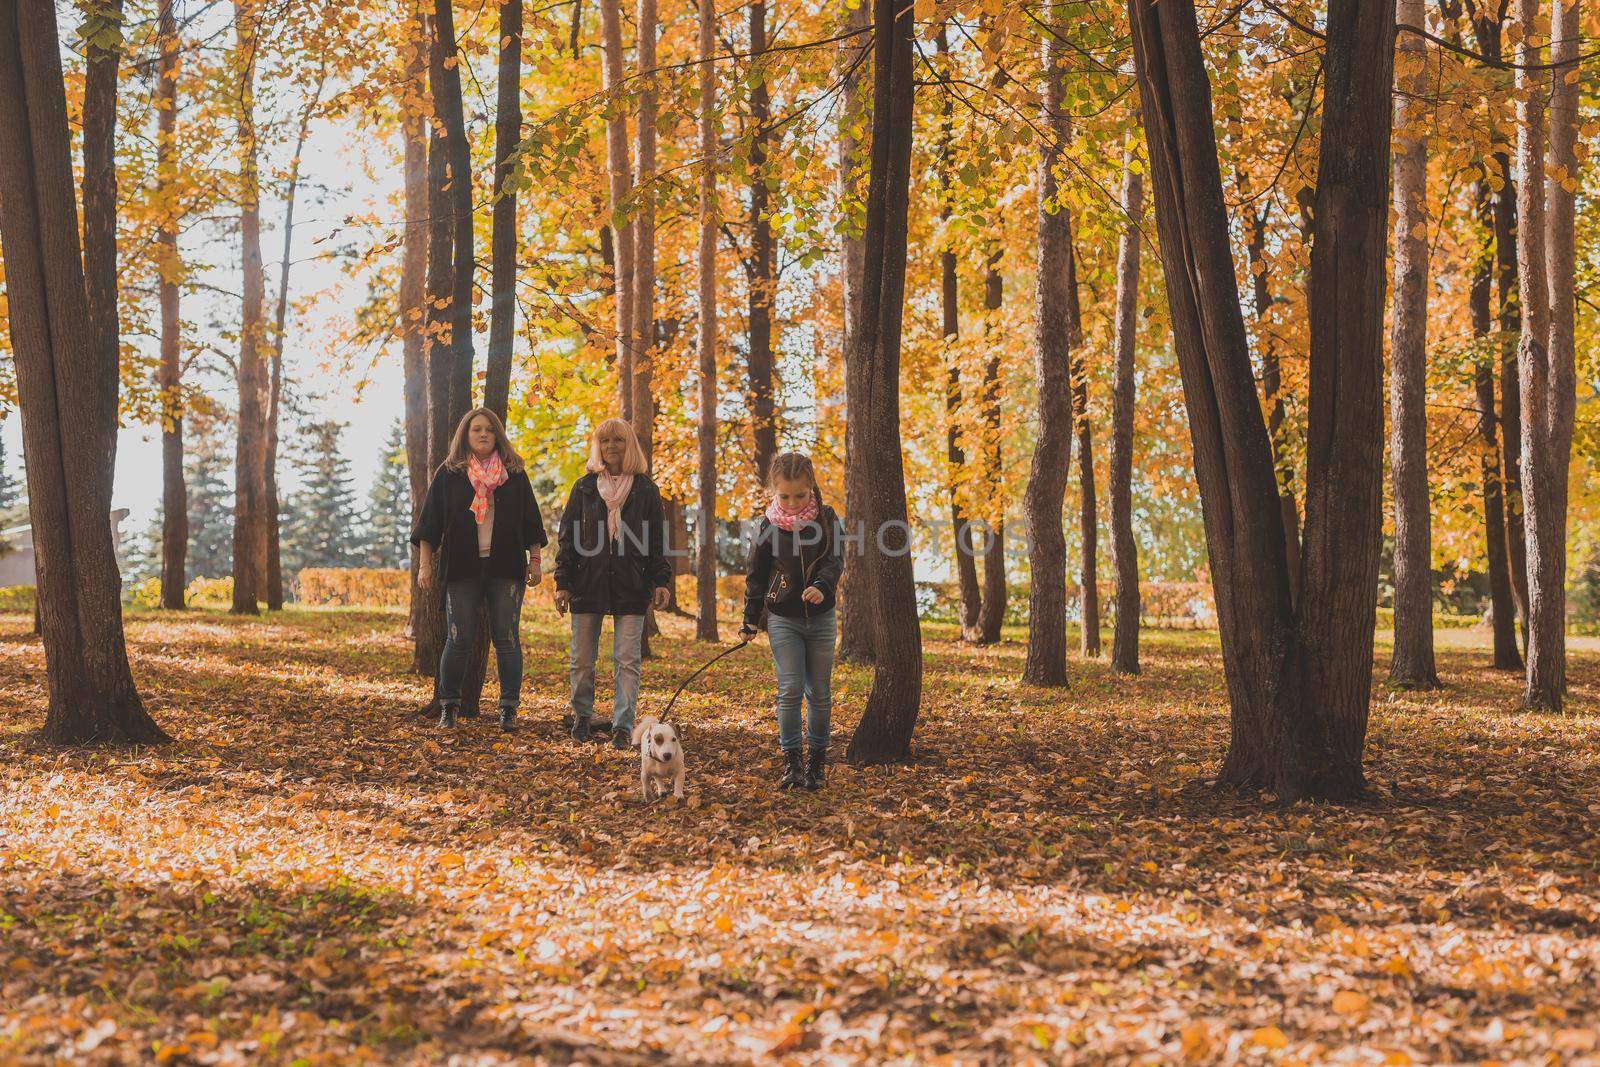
(316, 874)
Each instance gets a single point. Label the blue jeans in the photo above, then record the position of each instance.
(802, 651)
(461, 602)
(627, 645)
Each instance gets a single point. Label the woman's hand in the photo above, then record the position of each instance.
(661, 597)
(811, 595)
(535, 571)
(563, 600)
(748, 633)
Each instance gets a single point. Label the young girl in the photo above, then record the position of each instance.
(612, 560)
(481, 513)
(790, 577)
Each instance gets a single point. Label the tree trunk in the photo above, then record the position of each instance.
(890, 714)
(706, 425)
(67, 386)
(1272, 387)
(102, 25)
(992, 609)
(250, 453)
(1299, 678)
(1502, 606)
(854, 599)
(503, 239)
(955, 455)
(274, 589)
(1412, 665)
(1505, 242)
(1088, 531)
(413, 297)
(621, 181)
(174, 492)
(1056, 335)
(1545, 355)
(763, 418)
(644, 236)
(1124, 553)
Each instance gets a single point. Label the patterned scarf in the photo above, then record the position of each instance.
(614, 489)
(785, 519)
(486, 476)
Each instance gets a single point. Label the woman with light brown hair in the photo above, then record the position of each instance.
(612, 560)
(481, 516)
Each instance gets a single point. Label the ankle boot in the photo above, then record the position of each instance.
(447, 715)
(794, 771)
(816, 760)
(580, 728)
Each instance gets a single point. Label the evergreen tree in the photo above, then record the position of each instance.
(209, 476)
(322, 527)
(389, 506)
(10, 485)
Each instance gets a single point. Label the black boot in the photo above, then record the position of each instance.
(794, 771)
(508, 719)
(816, 760)
(447, 715)
(580, 728)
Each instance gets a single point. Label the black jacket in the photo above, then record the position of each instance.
(446, 517)
(606, 577)
(808, 556)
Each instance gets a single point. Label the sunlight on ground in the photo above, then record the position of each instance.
(315, 873)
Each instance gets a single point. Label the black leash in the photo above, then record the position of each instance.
(663, 716)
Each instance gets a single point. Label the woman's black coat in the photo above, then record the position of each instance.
(809, 556)
(447, 517)
(606, 577)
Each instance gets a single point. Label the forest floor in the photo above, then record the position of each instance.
(314, 873)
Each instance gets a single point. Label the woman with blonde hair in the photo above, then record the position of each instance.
(481, 516)
(611, 560)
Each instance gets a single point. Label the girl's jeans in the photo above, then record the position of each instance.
(802, 651)
(461, 602)
(627, 643)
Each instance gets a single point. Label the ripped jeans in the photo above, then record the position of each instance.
(461, 600)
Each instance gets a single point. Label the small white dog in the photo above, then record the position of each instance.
(660, 757)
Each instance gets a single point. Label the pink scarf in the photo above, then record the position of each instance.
(614, 489)
(486, 476)
(785, 519)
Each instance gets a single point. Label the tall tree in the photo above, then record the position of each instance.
(1055, 337)
(210, 506)
(855, 52)
(67, 386)
(1088, 525)
(644, 236)
(1124, 552)
(1545, 353)
(413, 283)
(1299, 675)
(174, 492)
(323, 513)
(1272, 389)
(389, 506)
(1412, 665)
(449, 114)
(621, 182)
(250, 449)
(949, 293)
(890, 715)
(992, 611)
(758, 357)
(280, 323)
(706, 424)
(102, 35)
(503, 238)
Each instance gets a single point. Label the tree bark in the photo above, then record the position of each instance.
(103, 30)
(250, 452)
(992, 612)
(1272, 388)
(763, 418)
(1299, 676)
(1502, 606)
(644, 237)
(174, 491)
(67, 396)
(447, 102)
(854, 599)
(890, 714)
(621, 181)
(503, 235)
(1056, 335)
(1412, 664)
(1124, 552)
(1088, 525)
(413, 295)
(706, 424)
(1510, 315)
